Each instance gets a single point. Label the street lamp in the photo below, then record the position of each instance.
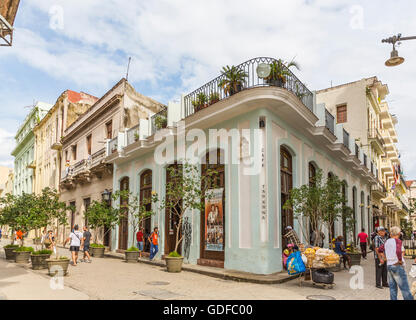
(395, 59)
(106, 195)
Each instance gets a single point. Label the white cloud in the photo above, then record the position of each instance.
(7, 144)
(192, 40)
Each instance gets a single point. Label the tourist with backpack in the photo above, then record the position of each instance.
(154, 242)
(76, 241)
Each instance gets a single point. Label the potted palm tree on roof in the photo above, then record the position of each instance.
(279, 72)
(233, 80)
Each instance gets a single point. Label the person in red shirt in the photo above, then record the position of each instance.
(363, 239)
(140, 242)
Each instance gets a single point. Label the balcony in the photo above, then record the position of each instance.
(378, 190)
(113, 145)
(376, 140)
(159, 121)
(211, 92)
(346, 139)
(365, 160)
(133, 134)
(329, 121)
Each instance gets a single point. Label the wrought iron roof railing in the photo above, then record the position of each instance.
(213, 93)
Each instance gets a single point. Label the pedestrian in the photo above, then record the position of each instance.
(363, 239)
(76, 241)
(86, 246)
(0, 233)
(154, 242)
(140, 242)
(392, 253)
(381, 268)
(340, 250)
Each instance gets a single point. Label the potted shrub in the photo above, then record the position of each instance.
(200, 102)
(57, 265)
(132, 254)
(22, 254)
(9, 251)
(136, 136)
(355, 255)
(233, 80)
(39, 258)
(160, 122)
(97, 250)
(214, 97)
(279, 72)
(100, 216)
(184, 193)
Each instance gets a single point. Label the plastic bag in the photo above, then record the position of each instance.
(304, 259)
(412, 271)
(295, 264)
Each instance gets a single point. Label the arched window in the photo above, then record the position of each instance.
(145, 195)
(286, 183)
(312, 173)
(123, 230)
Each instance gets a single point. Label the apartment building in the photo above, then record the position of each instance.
(85, 176)
(361, 107)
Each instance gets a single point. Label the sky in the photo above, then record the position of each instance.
(177, 46)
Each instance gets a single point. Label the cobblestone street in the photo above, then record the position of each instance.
(111, 278)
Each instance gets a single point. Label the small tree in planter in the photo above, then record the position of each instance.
(234, 79)
(101, 216)
(137, 210)
(184, 192)
(279, 71)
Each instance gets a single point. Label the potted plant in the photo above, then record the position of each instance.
(57, 265)
(160, 122)
(101, 216)
(22, 254)
(214, 97)
(233, 80)
(9, 251)
(184, 193)
(136, 136)
(132, 254)
(355, 255)
(279, 71)
(38, 259)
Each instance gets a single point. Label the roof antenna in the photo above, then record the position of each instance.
(128, 68)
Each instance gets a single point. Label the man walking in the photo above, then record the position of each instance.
(363, 238)
(76, 240)
(381, 268)
(139, 238)
(393, 253)
(86, 247)
(154, 242)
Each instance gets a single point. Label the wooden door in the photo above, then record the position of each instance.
(213, 217)
(171, 220)
(146, 193)
(73, 209)
(286, 184)
(123, 230)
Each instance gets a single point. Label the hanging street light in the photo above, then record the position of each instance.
(395, 59)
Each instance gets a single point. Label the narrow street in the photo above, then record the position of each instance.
(111, 278)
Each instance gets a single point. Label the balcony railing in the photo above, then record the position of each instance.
(79, 166)
(357, 151)
(212, 92)
(159, 120)
(98, 156)
(346, 139)
(113, 145)
(365, 160)
(329, 121)
(133, 134)
(372, 167)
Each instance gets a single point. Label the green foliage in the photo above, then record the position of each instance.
(9, 246)
(95, 245)
(24, 249)
(99, 215)
(40, 252)
(63, 258)
(280, 70)
(160, 122)
(214, 97)
(201, 101)
(132, 249)
(407, 227)
(174, 254)
(233, 80)
(320, 202)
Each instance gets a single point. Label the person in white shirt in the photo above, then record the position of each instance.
(76, 241)
(393, 254)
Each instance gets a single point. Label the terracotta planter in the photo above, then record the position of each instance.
(10, 255)
(97, 252)
(22, 256)
(57, 266)
(132, 256)
(39, 261)
(355, 258)
(174, 264)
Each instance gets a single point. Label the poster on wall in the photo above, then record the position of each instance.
(214, 220)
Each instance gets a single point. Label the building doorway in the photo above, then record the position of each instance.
(171, 219)
(146, 193)
(123, 230)
(213, 217)
(286, 184)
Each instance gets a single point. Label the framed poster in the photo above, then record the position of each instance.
(214, 220)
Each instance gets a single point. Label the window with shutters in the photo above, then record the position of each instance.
(109, 129)
(342, 114)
